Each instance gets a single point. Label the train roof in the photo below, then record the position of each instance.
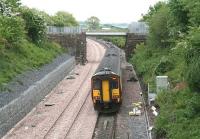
(110, 64)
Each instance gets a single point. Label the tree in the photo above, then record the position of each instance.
(34, 25)
(180, 20)
(62, 19)
(93, 22)
(158, 28)
(47, 18)
(152, 11)
(8, 7)
(193, 8)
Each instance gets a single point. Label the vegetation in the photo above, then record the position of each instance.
(27, 56)
(23, 43)
(173, 49)
(35, 25)
(93, 23)
(118, 41)
(64, 19)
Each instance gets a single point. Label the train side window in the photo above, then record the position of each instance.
(114, 84)
(97, 84)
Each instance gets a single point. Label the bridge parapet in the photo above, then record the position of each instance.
(64, 30)
(106, 33)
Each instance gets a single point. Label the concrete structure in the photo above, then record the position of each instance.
(13, 112)
(161, 83)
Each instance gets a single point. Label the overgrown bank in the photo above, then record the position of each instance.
(173, 49)
(23, 38)
(16, 60)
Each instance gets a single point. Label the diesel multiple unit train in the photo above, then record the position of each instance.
(106, 83)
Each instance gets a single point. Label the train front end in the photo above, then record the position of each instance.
(106, 91)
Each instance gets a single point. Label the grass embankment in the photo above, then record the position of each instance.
(179, 116)
(15, 60)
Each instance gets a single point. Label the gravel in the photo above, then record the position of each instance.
(22, 82)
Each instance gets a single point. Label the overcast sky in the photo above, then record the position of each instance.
(108, 11)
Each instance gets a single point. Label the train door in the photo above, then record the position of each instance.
(106, 90)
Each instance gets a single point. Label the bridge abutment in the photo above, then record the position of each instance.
(75, 44)
(132, 40)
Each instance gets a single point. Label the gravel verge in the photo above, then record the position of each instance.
(22, 82)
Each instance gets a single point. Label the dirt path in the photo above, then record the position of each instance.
(67, 112)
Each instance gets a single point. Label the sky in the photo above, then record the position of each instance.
(108, 11)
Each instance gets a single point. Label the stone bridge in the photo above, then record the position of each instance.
(74, 38)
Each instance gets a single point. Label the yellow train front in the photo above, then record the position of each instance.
(106, 83)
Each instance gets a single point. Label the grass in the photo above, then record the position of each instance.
(15, 60)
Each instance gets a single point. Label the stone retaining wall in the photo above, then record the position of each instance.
(13, 112)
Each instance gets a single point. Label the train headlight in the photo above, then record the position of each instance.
(96, 95)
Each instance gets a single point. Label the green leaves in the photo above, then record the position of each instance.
(62, 19)
(93, 23)
(11, 30)
(35, 25)
(158, 28)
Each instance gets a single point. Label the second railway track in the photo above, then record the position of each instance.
(105, 127)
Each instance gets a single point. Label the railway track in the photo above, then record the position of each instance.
(52, 132)
(105, 127)
(71, 104)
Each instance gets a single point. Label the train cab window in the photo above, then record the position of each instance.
(97, 84)
(114, 84)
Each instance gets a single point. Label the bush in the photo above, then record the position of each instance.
(158, 28)
(35, 25)
(11, 31)
(192, 59)
(193, 75)
(62, 19)
(164, 66)
(179, 115)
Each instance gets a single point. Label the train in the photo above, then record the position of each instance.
(106, 83)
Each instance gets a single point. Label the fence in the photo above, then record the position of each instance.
(64, 30)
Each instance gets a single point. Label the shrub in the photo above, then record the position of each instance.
(11, 31)
(64, 19)
(158, 28)
(35, 25)
(192, 59)
(164, 66)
